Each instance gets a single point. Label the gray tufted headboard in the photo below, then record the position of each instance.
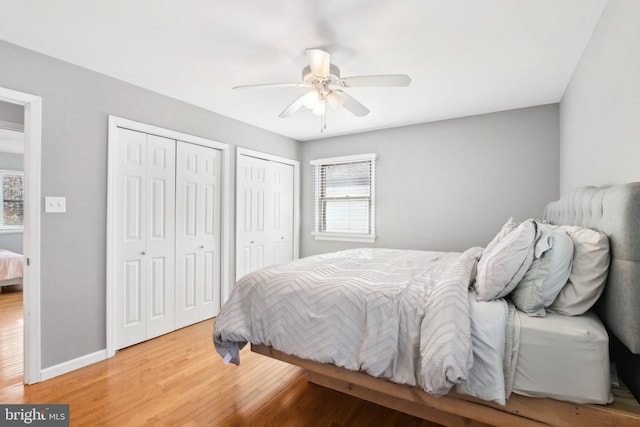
(616, 212)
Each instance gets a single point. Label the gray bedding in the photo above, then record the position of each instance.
(397, 314)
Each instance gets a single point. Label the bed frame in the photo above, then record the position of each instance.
(614, 211)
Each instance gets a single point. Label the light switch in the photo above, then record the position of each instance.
(55, 204)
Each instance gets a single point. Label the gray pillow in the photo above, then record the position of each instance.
(547, 275)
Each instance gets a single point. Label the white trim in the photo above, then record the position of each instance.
(72, 365)
(346, 237)
(32, 171)
(296, 193)
(344, 159)
(116, 122)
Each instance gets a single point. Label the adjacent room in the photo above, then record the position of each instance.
(338, 213)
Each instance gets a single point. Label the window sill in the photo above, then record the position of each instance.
(345, 237)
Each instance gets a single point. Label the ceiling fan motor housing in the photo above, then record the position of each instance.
(333, 77)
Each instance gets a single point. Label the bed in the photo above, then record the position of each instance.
(551, 370)
(10, 268)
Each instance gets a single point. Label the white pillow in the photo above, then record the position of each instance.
(503, 264)
(507, 228)
(547, 275)
(588, 272)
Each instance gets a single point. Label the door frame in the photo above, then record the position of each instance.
(116, 122)
(31, 236)
(296, 195)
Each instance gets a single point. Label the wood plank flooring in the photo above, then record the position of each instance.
(179, 380)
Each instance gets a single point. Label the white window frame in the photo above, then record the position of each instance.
(11, 229)
(346, 237)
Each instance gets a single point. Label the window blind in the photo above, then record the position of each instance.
(12, 200)
(345, 196)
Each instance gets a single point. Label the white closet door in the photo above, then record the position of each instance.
(251, 236)
(280, 202)
(198, 238)
(145, 174)
(264, 213)
(160, 254)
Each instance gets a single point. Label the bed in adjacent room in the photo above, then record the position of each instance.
(11, 265)
(516, 333)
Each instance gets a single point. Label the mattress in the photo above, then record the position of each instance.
(563, 357)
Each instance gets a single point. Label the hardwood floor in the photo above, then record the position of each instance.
(179, 380)
(11, 346)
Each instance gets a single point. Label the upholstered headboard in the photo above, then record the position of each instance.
(616, 212)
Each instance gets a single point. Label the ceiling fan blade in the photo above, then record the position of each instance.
(302, 84)
(319, 61)
(383, 80)
(351, 104)
(335, 99)
(293, 107)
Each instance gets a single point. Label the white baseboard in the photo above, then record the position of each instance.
(72, 365)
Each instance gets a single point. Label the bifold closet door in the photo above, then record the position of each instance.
(280, 205)
(251, 211)
(198, 237)
(145, 199)
(264, 214)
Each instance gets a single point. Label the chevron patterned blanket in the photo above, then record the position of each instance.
(399, 314)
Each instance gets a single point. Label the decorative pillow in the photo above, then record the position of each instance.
(547, 275)
(504, 263)
(507, 228)
(588, 272)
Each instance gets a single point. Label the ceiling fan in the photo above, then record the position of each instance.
(325, 84)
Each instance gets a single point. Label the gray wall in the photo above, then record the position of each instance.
(448, 185)
(76, 105)
(600, 110)
(14, 162)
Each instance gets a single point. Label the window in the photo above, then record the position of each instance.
(12, 218)
(344, 192)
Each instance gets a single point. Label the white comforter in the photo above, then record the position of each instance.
(399, 314)
(10, 265)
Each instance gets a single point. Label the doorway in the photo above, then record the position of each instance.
(31, 107)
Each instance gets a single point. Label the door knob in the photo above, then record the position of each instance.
(143, 253)
(252, 242)
(202, 247)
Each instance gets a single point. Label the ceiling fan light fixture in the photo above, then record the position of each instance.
(324, 82)
(320, 108)
(312, 98)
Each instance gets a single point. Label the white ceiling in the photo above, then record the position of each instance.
(464, 57)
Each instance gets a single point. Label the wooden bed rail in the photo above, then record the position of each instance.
(459, 410)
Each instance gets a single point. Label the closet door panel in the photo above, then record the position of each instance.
(130, 269)
(251, 237)
(280, 232)
(198, 238)
(160, 225)
(145, 196)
